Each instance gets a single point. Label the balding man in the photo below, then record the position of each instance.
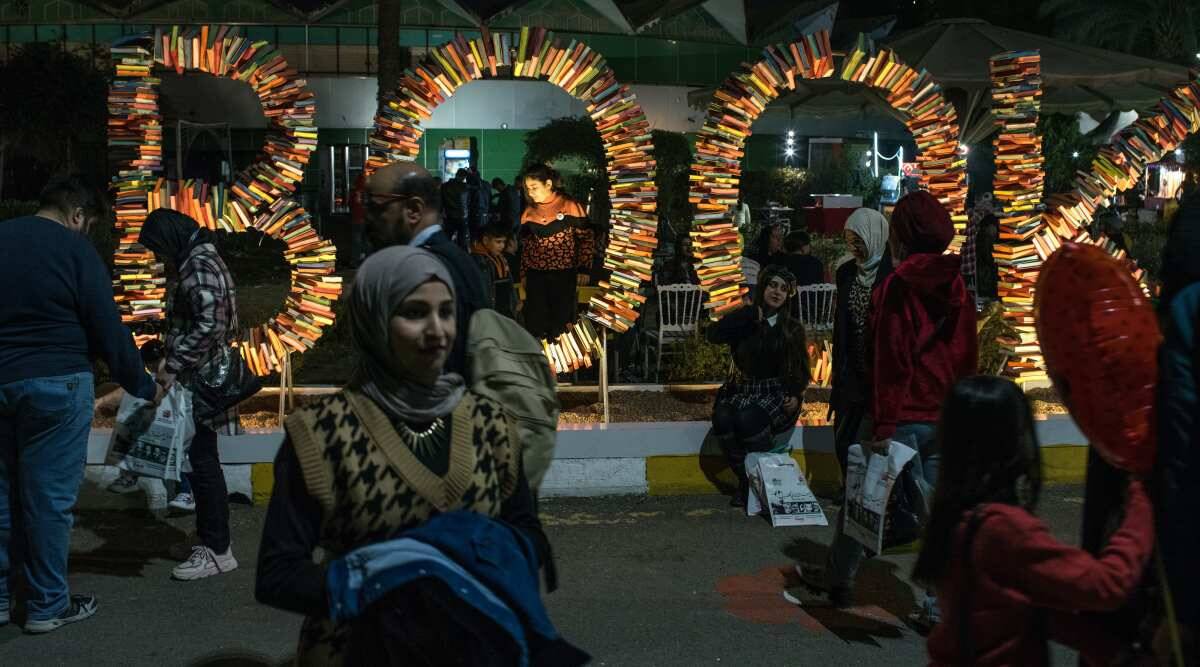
(402, 203)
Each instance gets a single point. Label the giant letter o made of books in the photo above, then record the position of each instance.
(745, 94)
(538, 54)
(260, 197)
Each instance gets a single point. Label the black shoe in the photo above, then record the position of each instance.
(80, 607)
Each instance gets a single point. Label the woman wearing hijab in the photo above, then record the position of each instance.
(403, 441)
(202, 311)
(763, 396)
(867, 235)
(923, 342)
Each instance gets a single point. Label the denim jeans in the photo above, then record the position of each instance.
(846, 554)
(44, 424)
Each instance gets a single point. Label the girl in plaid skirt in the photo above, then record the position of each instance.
(762, 398)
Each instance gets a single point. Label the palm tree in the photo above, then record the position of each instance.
(1163, 29)
(392, 57)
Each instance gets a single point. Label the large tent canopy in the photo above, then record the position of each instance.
(956, 51)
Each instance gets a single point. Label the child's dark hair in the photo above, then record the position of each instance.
(796, 241)
(497, 231)
(543, 172)
(989, 454)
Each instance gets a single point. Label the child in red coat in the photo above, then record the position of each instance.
(1006, 586)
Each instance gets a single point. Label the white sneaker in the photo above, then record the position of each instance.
(183, 502)
(204, 562)
(126, 482)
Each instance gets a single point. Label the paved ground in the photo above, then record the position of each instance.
(645, 581)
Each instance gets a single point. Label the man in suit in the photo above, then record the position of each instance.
(403, 207)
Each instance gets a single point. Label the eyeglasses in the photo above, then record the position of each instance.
(371, 199)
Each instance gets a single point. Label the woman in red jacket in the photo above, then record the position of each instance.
(923, 341)
(1006, 586)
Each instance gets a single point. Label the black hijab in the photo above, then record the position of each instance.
(172, 235)
(1181, 256)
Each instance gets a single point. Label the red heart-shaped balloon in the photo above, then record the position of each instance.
(1100, 337)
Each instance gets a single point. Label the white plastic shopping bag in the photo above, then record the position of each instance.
(869, 481)
(153, 441)
(778, 486)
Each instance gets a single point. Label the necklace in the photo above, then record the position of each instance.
(422, 442)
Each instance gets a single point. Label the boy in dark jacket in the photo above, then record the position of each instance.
(488, 253)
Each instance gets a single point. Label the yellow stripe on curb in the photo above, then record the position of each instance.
(694, 475)
(262, 480)
(697, 475)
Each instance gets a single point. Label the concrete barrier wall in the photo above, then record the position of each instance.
(659, 458)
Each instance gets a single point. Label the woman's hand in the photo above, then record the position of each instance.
(791, 404)
(163, 377)
(880, 447)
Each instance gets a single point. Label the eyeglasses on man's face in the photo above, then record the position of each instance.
(378, 201)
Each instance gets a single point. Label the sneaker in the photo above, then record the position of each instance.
(838, 598)
(125, 483)
(204, 562)
(926, 615)
(812, 577)
(183, 502)
(80, 607)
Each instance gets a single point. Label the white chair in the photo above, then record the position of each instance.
(679, 309)
(815, 305)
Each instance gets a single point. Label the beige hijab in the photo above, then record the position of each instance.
(380, 286)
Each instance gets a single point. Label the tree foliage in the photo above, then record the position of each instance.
(1162, 29)
(53, 101)
(673, 158)
(1061, 141)
(571, 139)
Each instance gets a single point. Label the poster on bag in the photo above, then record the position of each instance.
(869, 482)
(779, 488)
(151, 440)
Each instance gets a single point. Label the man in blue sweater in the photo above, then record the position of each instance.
(57, 314)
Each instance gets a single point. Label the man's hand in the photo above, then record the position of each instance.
(159, 393)
(582, 280)
(109, 401)
(791, 404)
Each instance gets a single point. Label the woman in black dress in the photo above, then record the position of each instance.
(762, 398)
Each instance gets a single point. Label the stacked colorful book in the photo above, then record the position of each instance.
(716, 170)
(1017, 185)
(929, 116)
(820, 363)
(259, 198)
(1118, 165)
(536, 53)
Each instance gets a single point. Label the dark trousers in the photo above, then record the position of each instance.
(208, 488)
(740, 431)
(456, 229)
(847, 422)
(549, 301)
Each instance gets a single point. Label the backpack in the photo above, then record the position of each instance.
(508, 365)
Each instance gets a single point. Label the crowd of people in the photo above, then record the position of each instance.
(410, 461)
(999, 586)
